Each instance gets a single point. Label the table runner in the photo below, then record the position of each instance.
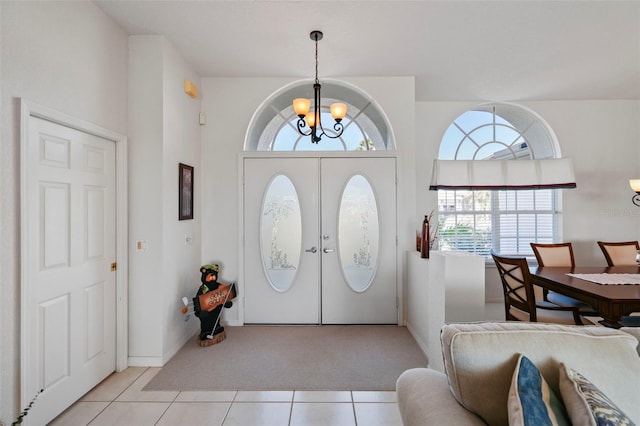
(608, 279)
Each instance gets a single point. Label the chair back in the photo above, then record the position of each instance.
(516, 285)
(619, 253)
(560, 254)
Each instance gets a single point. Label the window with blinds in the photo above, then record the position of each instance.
(505, 220)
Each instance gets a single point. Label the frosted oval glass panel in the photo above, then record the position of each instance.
(358, 233)
(280, 233)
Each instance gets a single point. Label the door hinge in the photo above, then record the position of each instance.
(114, 266)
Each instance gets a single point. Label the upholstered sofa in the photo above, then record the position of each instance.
(480, 360)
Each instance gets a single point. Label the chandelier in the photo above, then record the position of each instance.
(312, 119)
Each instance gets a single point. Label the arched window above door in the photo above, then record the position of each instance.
(273, 126)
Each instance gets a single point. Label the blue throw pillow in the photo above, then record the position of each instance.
(531, 402)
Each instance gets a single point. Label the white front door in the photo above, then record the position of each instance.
(69, 287)
(281, 260)
(359, 224)
(319, 241)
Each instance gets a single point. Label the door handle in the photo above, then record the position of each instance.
(311, 250)
(326, 250)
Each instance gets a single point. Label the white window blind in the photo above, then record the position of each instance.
(476, 221)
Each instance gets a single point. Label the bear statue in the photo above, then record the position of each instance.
(210, 299)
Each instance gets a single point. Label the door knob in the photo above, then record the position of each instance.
(311, 250)
(326, 250)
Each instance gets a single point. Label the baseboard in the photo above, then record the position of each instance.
(422, 345)
(174, 350)
(144, 361)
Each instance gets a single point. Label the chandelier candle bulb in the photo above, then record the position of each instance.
(310, 118)
(301, 106)
(338, 111)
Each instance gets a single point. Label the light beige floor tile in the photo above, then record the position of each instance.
(378, 414)
(79, 414)
(195, 414)
(322, 396)
(374, 396)
(264, 396)
(114, 385)
(131, 413)
(258, 414)
(135, 392)
(206, 396)
(322, 414)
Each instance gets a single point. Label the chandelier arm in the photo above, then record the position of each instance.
(339, 129)
(301, 124)
(636, 199)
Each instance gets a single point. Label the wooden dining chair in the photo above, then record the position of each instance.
(560, 254)
(521, 303)
(619, 253)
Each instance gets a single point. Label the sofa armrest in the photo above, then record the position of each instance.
(424, 398)
(635, 332)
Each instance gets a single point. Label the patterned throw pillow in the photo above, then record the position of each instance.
(531, 401)
(586, 404)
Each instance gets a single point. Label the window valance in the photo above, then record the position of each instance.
(548, 173)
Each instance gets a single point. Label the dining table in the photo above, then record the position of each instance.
(612, 300)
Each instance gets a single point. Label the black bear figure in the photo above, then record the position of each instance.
(211, 331)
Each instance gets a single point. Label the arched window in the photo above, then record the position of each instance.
(273, 126)
(505, 220)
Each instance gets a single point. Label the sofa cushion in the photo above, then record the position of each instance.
(479, 360)
(531, 401)
(586, 404)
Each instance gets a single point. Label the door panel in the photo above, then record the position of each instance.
(69, 337)
(279, 290)
(358, 281)
(347, 250)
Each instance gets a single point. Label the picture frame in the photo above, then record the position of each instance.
(185, 192)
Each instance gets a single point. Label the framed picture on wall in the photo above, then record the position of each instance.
(185, 195)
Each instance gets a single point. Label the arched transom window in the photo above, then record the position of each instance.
(505, 220)
(273, 127)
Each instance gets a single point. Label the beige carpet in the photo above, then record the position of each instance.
(349, 357)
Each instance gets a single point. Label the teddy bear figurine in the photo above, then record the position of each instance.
(210, 299)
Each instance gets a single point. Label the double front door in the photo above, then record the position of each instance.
(320, 241)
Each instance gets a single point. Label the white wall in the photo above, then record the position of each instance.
(229, 104)
(181, 261)
(164, 132)
(602, 138)
(44, 60)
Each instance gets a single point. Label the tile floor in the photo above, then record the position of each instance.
(120, 400)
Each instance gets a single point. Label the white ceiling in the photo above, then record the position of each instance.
(457, 50)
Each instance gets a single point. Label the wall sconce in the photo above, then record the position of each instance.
(635, 185)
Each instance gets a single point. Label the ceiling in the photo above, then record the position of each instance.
(457, 50)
